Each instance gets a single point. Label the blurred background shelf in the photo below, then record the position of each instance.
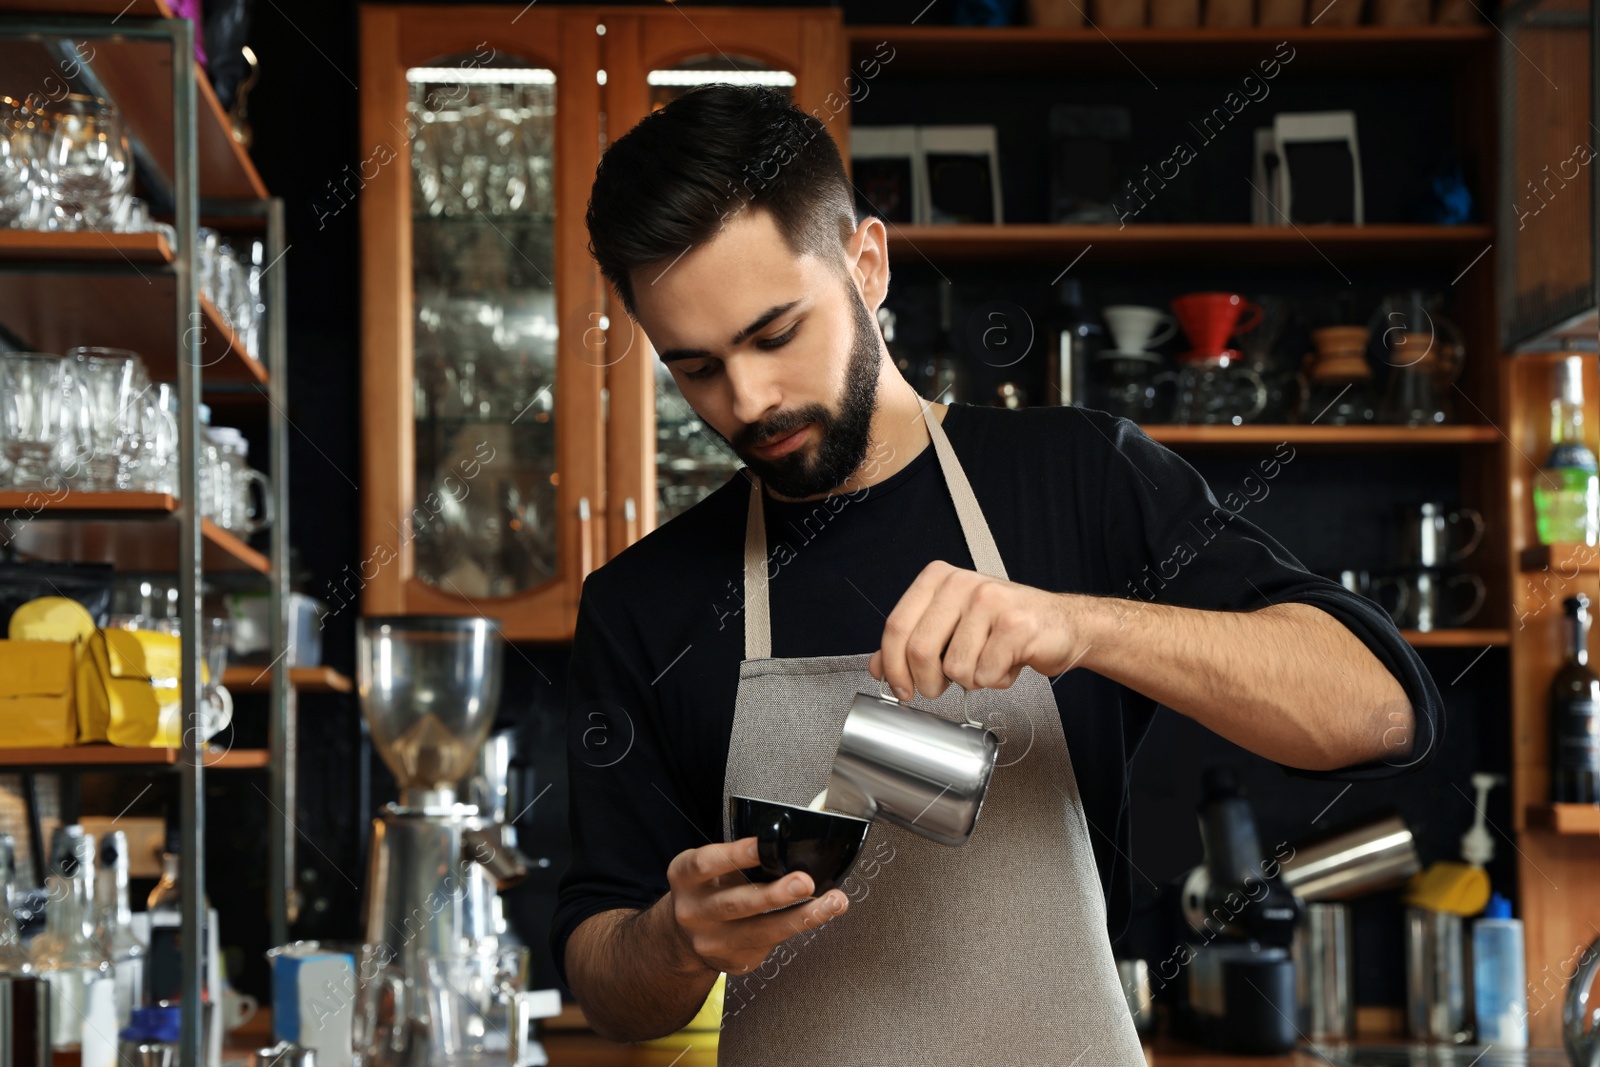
(49, 311)
(258, 679)
(1217, 242)
(130, 529)
(1566, 818)
(1568, 558)
(137, 74)
(1319, 436)
(111, 756)
(84, 246)
(1020, 51)
(1474, 638)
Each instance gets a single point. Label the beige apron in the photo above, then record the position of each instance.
(991, 953)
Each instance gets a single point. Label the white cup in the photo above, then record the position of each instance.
(1135, 328)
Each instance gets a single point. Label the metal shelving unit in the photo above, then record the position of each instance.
(181, 335)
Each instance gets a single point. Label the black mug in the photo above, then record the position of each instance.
(823, 844)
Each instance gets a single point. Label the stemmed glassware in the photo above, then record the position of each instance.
(88, 171)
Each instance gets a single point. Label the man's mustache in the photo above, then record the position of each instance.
(780, 426)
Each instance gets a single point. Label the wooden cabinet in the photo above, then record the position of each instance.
(481, 412)
(509, 419)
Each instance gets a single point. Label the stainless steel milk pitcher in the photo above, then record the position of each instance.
(913, 768)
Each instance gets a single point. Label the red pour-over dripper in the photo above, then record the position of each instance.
(1210, 319)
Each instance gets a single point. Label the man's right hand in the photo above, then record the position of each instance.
(728, 922)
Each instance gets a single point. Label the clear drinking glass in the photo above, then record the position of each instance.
(39, 396)
(114, 384)
(477, 1004)
(158, 449)
(24, 137)
(89, 168)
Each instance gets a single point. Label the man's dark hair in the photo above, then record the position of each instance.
(670, 182)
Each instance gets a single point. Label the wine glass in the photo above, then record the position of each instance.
(89, 167)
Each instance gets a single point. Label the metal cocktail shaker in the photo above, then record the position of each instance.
(913, 768)
(1436, 977)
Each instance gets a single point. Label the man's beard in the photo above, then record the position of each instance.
(843, 437)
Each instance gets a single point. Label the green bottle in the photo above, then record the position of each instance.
(1566, 491)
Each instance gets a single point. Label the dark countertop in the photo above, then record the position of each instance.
(576, 1048)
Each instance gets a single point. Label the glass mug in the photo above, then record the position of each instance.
(226, 481)
(481, 1013)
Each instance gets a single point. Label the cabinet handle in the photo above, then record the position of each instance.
(630, 516)
(585, 542)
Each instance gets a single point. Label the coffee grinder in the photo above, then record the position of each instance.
(1234, 976)
(430, 688)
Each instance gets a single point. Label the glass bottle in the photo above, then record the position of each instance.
(69, 957)
(14, 960)
(942, 375)
(901, 361)
(1566, 492)
(1075, 339)
(164, 973)
(114, 924)
(1575, 716)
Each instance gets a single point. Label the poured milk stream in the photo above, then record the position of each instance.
(818, 801)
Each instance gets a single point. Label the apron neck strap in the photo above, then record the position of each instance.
(980, 542)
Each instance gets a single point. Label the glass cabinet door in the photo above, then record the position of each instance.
(661, 459)
(484, 327)
(691, 461)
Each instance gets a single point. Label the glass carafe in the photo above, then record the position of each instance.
(69, 956)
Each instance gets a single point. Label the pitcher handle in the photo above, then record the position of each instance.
(1261, 392)
(1252, 312)
(884, 694)
(1479, 592)
(268, 510)
(1475, 517)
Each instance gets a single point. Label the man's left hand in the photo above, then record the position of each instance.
(956, 625)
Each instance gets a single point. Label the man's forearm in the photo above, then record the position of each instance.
(632, 974)
(1288, 681)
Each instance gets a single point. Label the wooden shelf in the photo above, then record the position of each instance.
(1565, 558)
(1324, 436)
(1456, 638)
(137, 75)
(92, 246)
(91, 756)
(55, 311)
(1151, 52)
(1566, 818)
(132, 530)
(1218, 243)
(253, 679)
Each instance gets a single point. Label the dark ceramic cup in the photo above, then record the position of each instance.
(823, 844)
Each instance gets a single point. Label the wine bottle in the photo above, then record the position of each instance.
(1566, 492)
(1575, 716)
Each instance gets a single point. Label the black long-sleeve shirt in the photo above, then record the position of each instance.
(1078, 501)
